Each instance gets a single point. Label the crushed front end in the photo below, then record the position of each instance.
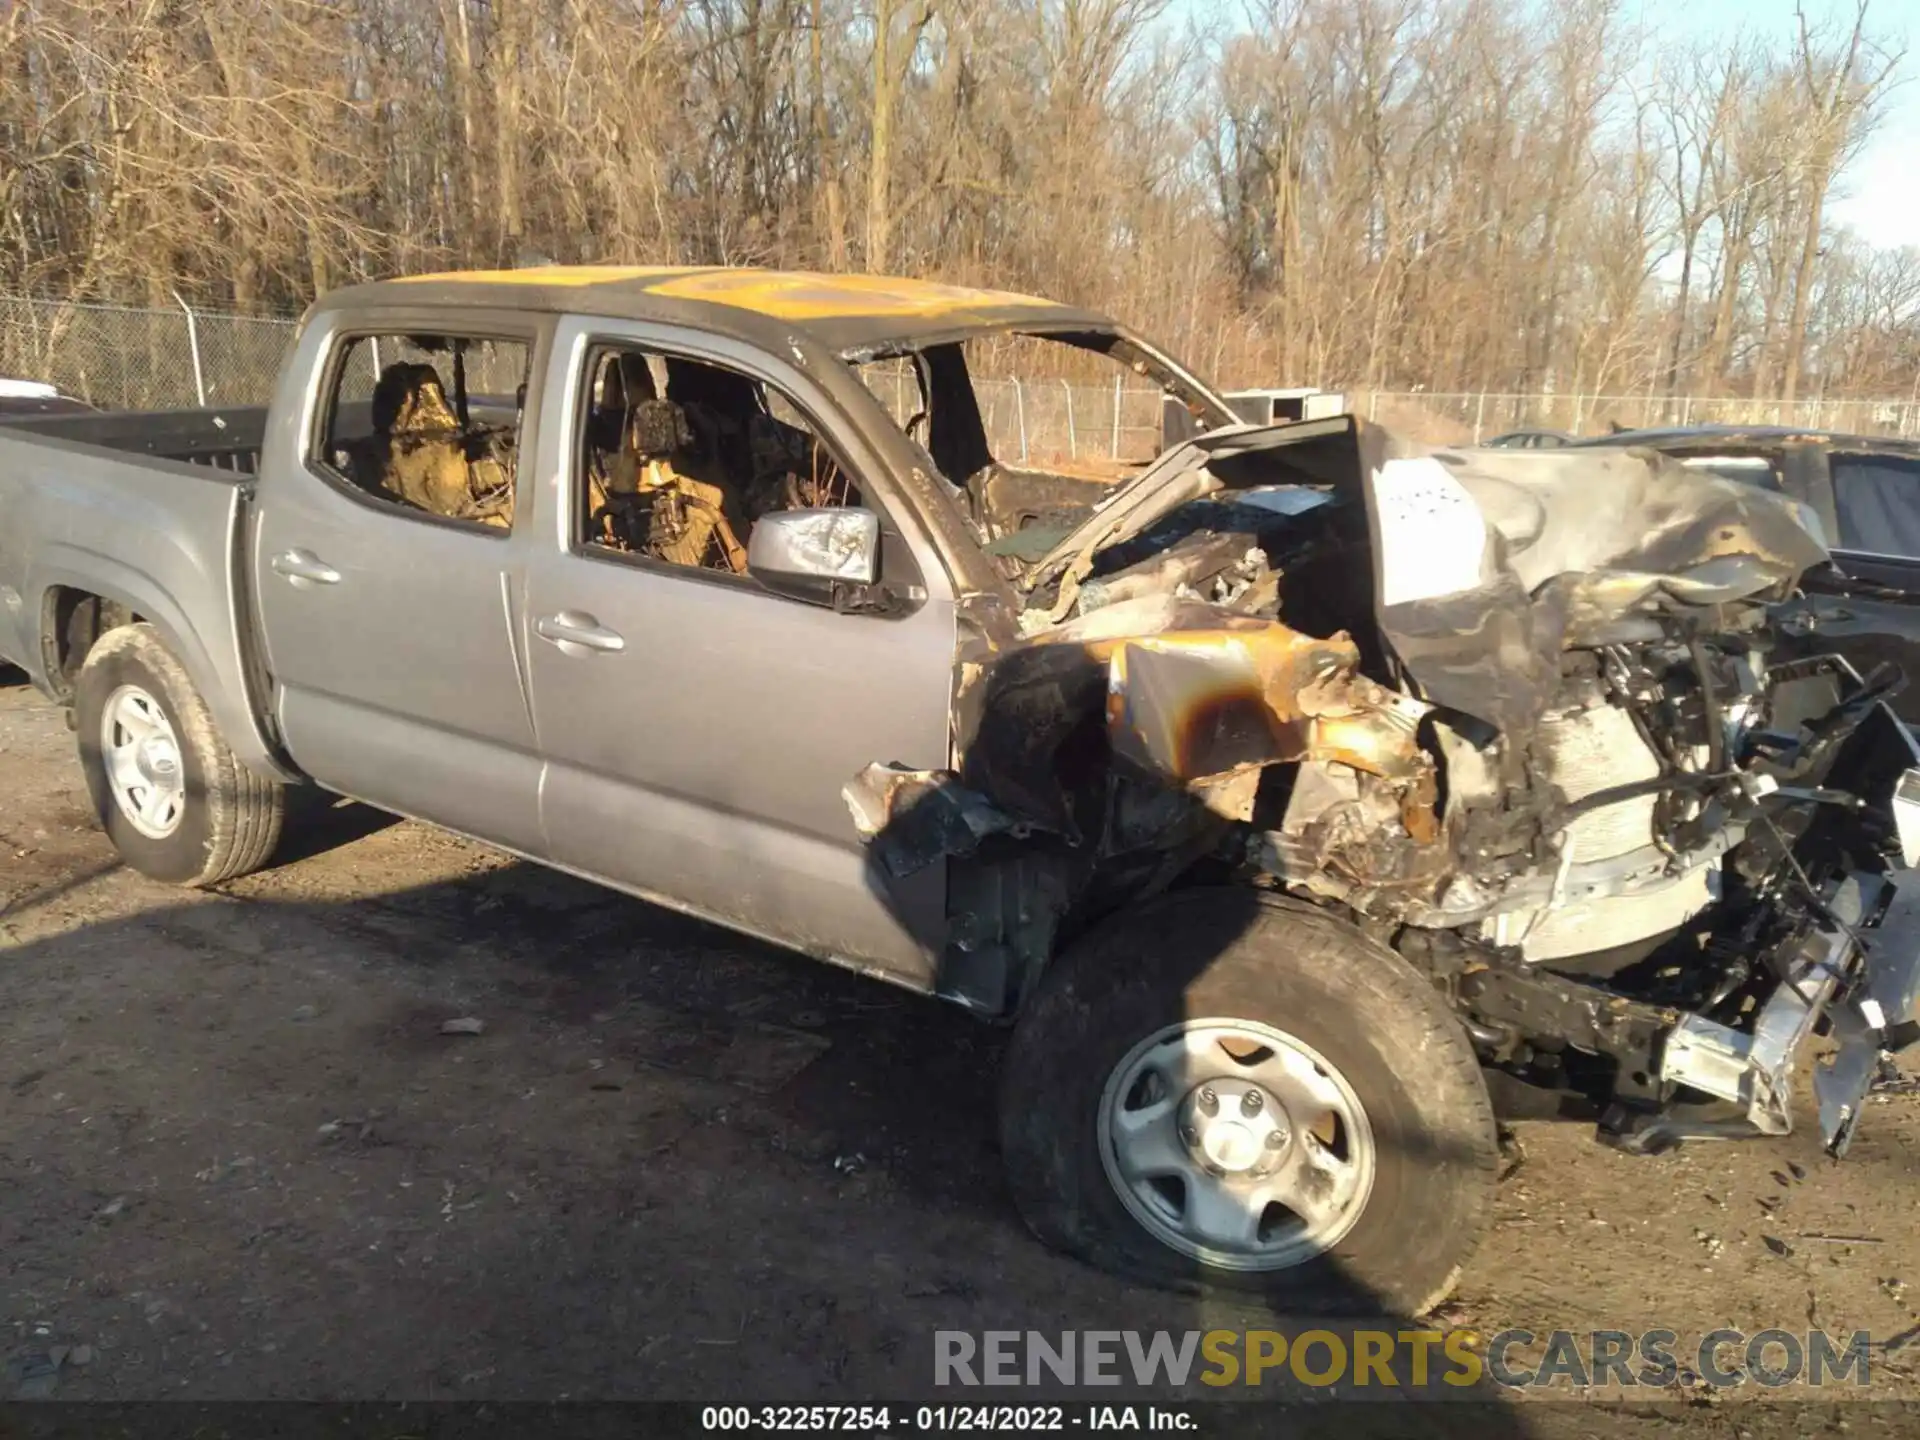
(1513, 714)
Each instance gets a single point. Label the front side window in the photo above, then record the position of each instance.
(1032, 430)
(427, 424)
(681, 458)
(1050, 403)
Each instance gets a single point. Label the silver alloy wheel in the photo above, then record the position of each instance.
(142, 758)
(1236, 1143)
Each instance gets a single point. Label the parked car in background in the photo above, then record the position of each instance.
(1864, 493)
(1272, 406)
(1529, 440)
(36, 397)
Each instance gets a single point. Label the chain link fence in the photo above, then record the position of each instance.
(1032, 422)
(126, 359)
(122, 358)
(1471, 417)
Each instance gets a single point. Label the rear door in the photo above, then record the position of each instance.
(698, 728)
(390, 631)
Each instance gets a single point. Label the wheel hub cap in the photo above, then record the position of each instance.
(1235, 1129)
(1236, 1143)
(141, 755)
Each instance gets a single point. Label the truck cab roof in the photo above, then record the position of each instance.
(848, 314)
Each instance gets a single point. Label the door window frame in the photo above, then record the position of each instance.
(586, 337)
(347, 327)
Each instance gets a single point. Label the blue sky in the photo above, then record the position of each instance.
(1879, 195)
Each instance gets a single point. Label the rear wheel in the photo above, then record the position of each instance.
(169, 793)
(1224, 1089)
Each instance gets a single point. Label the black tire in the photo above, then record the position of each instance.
(230, 820)
(1243, 955)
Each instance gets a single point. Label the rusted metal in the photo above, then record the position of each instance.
(1192, 705)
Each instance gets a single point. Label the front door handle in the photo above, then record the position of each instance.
(304, 569)
(578, 633)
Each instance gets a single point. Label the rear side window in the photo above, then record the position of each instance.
(1877, 502)
(427, 424)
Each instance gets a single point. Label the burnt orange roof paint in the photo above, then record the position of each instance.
(779, 294)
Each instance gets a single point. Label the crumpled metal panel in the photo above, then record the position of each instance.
(1574, 545)
(1191, 705)
(913, 817)
(1204, 702)
(1193, 698)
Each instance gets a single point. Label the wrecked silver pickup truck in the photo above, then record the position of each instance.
(1283, 787)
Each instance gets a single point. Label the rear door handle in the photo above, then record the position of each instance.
(303, 569)
(578, 633)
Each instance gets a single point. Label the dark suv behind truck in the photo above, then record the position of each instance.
(1863, 492)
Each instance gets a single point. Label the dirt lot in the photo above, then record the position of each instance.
(239, 1159)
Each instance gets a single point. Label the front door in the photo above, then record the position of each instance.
(390, 628)
(698, 728)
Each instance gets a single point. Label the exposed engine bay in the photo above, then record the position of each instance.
(1515, 714)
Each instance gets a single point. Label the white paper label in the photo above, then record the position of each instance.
(1433, 538)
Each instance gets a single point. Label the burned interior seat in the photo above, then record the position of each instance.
(421, 454)
(644, 500)
(625, 381)
(763, 463)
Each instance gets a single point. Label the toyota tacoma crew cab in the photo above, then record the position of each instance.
(1284, 789)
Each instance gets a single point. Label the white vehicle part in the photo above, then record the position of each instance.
(1584, 752)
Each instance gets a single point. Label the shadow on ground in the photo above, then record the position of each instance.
(240, 1158)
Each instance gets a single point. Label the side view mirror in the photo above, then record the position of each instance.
(815, 554)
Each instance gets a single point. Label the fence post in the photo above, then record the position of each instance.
(1020, 409)
(1686, 412)
(1479, 415)
(1114, 449)
(1073, 440)
(1373, 404)
(193, 344)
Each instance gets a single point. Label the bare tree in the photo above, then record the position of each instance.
(1472, 194)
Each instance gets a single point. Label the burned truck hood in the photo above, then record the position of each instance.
(1489, 564)
(1207, 464)
(1486, 564)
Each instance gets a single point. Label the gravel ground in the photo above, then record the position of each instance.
(240, 1160)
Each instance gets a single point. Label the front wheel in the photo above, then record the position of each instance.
(1226, 1089)
(169, 793)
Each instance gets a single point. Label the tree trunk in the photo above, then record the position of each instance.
(507, 123)
(828, 151)
(880, 156)
(1803, 289)
(460, 63)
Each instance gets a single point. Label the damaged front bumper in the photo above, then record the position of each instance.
(1862, 975)
(1853, 977)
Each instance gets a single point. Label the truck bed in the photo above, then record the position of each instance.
(224, 438)
(146, 511)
